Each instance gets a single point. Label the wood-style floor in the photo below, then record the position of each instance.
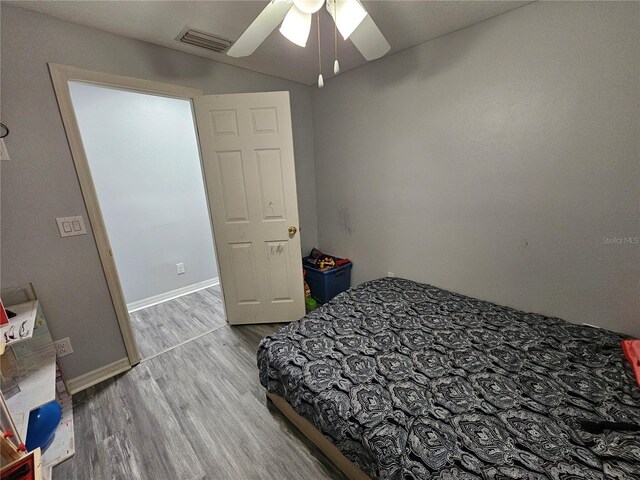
(196, 412)
(171, 323)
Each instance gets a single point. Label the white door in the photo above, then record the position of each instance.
(247, 153)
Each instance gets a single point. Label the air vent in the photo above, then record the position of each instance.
(203, 40)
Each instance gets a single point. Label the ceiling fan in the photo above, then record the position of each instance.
(351, 20)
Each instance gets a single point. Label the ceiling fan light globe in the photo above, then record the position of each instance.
(296, 26)
(308, 6)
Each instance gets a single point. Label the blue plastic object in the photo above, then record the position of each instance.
(327, 284)
(43, 422)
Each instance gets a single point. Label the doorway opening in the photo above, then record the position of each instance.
(143, 156)
(135, 149)
(246, 161)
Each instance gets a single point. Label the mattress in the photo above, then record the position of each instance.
(411, 381)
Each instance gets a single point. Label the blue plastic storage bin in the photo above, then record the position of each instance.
(327, 284)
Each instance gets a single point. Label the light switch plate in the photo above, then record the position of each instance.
(70, 226)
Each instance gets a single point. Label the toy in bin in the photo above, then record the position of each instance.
(319, 260)
(326, 263)
(309, 303)
(326, 275)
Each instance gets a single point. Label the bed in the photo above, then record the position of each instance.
(406, 380)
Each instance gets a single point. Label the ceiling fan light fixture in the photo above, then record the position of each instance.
(348, 15)
(296, 26)
(308, 6)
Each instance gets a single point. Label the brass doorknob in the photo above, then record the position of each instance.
(292, 230)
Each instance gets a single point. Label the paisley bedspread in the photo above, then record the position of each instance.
(411, 381)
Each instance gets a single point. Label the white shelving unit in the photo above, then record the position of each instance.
(37, 386)
(32, 360)
(63, 445)
(23, 321)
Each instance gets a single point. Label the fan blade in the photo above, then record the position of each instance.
(260, 28)
(296, 26)
(347, 14)
(369, 39)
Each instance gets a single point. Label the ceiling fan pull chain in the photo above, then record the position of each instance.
(320, 79)
(336, 65)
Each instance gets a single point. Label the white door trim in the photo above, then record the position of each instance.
(60, 76)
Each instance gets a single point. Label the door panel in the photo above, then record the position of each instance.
(271, 185)
(224, 122)
(244, 269)
(265, 120)
(278, 261)
(233, 189)
(247, 155)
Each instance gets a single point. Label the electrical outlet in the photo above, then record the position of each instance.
(63, 347)
(391, 274)
(180, 268)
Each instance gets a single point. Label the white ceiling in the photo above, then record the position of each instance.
(404, 24)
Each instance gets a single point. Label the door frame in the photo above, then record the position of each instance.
(61, 75)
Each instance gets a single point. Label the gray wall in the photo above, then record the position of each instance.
(40, 183)
(145, 164)
(495, 162)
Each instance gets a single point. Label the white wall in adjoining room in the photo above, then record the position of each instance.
(495, 161)
(144, 160)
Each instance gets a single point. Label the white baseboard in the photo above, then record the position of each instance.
(178, 292)
(98, 375)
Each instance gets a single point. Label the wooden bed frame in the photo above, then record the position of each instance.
(351, 471)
